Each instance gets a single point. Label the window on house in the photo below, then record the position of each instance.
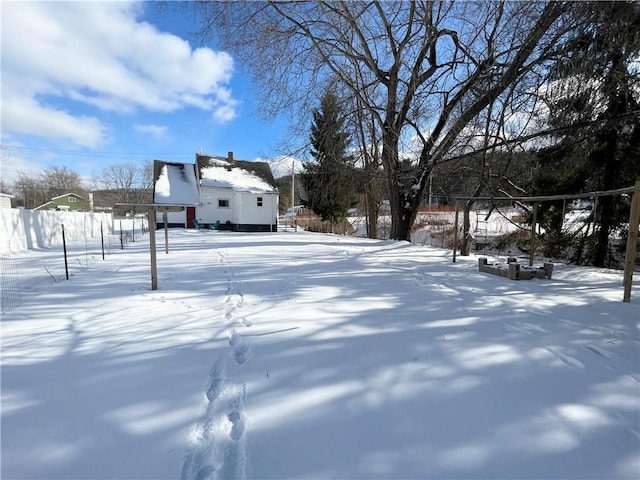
(259, 201)
(223, 203)
(71, 199)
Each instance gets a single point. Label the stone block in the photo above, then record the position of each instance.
(525, 275)
(513, 272)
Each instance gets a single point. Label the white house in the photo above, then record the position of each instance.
(5, 200)
(218, 192)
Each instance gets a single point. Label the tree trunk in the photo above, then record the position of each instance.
(373, 211)
(605, 204)
(465, 247)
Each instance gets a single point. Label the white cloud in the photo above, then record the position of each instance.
(22, 114)
(157, 131)
(58, 56)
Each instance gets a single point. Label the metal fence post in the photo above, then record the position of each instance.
(64, 248)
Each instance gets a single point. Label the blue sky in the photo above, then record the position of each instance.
(88, 84)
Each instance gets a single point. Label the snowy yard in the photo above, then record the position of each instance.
(297, 355)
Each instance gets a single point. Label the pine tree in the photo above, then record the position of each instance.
(328, 180)
(596, 102)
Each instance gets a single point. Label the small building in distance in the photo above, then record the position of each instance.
(67, 202)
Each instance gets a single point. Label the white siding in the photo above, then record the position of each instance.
(172, 218)
(5, 201)
(209, 210)
(249, 213)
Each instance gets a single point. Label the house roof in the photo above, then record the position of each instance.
(175, 183)
(240, 175)
(66, 195)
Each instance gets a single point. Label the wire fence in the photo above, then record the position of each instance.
(29, 272)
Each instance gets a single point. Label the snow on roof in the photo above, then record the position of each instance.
(236, 178)
(176, 184)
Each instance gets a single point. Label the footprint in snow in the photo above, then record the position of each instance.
(237, 425)
(242, 352)
(216, 379)
(233, 336)
(205, 473)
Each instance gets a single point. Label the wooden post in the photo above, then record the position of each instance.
(166, 233)
(152, 248)
(455, 233)
(632, 242)
(532, 242)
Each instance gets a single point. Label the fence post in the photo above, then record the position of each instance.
(532, 241)
(121, 237)
(632, 242)
(102, 239)
(455, 233)
(64, 248)
(151, 215)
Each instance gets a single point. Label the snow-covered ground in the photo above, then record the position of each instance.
(298, 355)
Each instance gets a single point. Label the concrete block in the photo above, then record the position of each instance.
(525, 275)
(514, 270)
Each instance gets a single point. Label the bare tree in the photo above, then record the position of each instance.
(61, 180)
(30, 191)
(4, 187)
(125, 182)
(423, 70)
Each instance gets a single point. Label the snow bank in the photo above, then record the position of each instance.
(297, 355)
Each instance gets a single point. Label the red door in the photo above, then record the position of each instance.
(191, 215)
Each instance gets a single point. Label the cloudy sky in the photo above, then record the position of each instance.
(87, 84)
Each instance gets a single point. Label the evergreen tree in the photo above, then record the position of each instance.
(596, 101)
(328, 180)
